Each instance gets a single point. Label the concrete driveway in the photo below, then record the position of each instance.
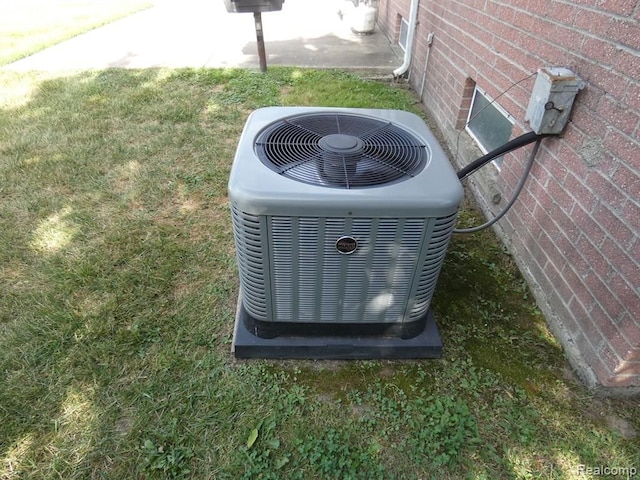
(199, 33)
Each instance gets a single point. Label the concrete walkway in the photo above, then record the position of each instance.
(201, 33)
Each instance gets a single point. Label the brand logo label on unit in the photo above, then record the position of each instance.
(346, 245)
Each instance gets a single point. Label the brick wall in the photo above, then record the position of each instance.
(575, 228)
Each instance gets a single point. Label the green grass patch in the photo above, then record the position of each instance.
(118, 288)
(29, 26)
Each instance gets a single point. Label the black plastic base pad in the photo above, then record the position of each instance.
(427, 344)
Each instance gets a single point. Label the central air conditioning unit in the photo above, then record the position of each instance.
(341, 221)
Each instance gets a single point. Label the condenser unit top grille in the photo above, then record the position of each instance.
(341, 150)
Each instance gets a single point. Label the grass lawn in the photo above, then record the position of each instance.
(28, 26)
(117, 298)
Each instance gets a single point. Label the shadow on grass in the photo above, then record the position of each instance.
(115, 247)
(119, 287)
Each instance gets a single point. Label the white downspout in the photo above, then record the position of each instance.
(413, 21)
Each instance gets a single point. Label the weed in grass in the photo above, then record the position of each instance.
(166, 457)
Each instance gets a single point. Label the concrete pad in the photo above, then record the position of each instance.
(199, 33)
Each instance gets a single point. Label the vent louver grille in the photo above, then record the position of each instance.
(314, 283)
(390, 278)
(340, 150)
(436, 252)
(249, 252)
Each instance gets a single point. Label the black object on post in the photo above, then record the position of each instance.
(256, 7)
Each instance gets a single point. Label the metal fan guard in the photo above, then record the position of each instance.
(341, 150)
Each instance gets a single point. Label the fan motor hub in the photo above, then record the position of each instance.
(341, 144)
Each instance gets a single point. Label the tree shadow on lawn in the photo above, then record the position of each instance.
(115, 247)
(119, 288)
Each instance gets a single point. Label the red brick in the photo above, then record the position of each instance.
(620, 344)
(588, 99)
(572, 159)
(593, 22)
(631, 332)
(589, 329)
(618, 7)
(621, 261)
(560, 195)
(546, 221)
(626, 62)
(612, 224)
(571, 276)
(609, 356)
(627, 32)
(620, 380)
(584, 295)
(628, 180)
(600, 291)
(631, 216)
(503, 12)
(626, 294)
(579, 264)
(590, 229)
(605, 78)
(626, 342)
(566, 226)
(589, 354)
(518, 4)
(604, 321)
(537, 187)
(608, 166)
(624, 148)
(615, 83)
(605, 376)
(521, 95)
(632, 96)
(536, 264)
(580, 193)
(588, 3)
(560, 307)
(557, 280)
(526, 204)
(588, 121)
(539, 9)
(599, 50)
(568, 205)
(549, 247)
(556, 168)
(564, 12)
(616, 114)
(572, 141)
(634, 250)
(606, 190)
(570, 39)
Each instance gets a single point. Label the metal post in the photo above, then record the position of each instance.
(257, 16)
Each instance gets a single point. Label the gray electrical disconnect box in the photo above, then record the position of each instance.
(552, 98)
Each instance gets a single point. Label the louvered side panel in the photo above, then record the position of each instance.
(248, 235)
(436, 251)
(282, 271)
(313, 282)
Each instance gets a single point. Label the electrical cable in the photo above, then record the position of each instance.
(518, 189)
(510, 146)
